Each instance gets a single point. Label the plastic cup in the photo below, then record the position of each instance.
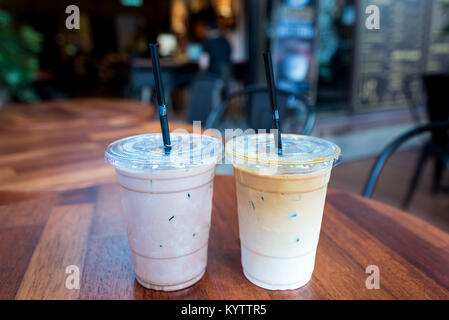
(167, 200)
(280, 205)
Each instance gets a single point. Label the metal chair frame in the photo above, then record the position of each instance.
(217, 113)
(395, 144)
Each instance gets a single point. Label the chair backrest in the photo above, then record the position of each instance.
(260, 114)
(258, 109)
(413, 92)
(436, 86)
(205, 95)
(393, 146)
(141, 80)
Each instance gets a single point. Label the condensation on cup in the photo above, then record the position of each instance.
(167, 200)
(280, 205)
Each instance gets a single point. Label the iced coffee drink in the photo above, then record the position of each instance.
(280, 205)
(167, 200)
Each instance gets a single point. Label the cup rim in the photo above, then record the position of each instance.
(123, 156)
(332, 157)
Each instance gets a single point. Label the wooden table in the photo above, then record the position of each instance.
(73, 113)
(40, 237)
(60, 206)
(60, 145)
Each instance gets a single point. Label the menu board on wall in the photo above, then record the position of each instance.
(385, 57)
(437, 55)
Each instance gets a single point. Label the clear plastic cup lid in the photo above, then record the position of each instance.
(297, 150)
(146, 152)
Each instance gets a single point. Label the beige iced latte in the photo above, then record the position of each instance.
(280, 205)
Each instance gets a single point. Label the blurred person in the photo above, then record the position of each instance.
(217, 50)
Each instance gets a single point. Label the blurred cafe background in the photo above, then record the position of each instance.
(363, 88)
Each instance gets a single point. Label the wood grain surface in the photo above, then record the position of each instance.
(40, 237)
(60, 145)
(60, 206)
(73, 113)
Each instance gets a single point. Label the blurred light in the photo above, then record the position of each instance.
(197, 5)
(70, 49)
(224, 8)
(295, 29)
(131, 3)
(179, 14)
(167, 43)
(297, 3)
(348, 16)
(194, 51)
(296, 67)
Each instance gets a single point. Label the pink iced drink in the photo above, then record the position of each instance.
(167, 204)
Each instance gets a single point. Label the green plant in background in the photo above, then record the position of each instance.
(19, 47)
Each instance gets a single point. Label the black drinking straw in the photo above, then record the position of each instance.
(272, 92)
(160, 96)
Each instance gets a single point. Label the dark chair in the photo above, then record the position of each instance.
(438, 151)
(141, 84)
(258, 110)
(437, 106)
(205, 96)
(413, 92)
